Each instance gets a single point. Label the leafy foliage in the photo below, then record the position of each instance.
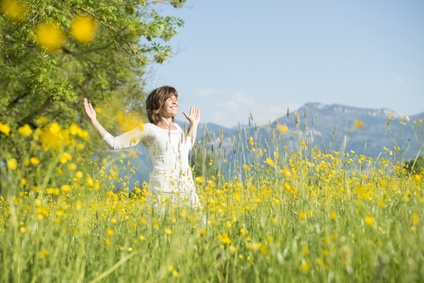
(415, 166)
(44, 74)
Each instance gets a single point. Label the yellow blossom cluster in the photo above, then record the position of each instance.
(49, 35)
(14, 10)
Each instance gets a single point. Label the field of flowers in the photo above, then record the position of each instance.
(288, 216)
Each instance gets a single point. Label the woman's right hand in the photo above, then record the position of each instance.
(89, 110)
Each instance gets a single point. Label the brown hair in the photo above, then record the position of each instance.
(156, 100)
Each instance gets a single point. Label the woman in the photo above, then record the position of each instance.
(168, 146)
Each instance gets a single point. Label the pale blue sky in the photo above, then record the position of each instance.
(236, 57)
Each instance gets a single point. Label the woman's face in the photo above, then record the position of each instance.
(170, 108)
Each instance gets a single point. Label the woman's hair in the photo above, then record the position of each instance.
(156, 100)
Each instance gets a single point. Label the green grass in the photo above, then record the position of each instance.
(299, 216)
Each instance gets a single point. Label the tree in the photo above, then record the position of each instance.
(54, 53)
(415, 166)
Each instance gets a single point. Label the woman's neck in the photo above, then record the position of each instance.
(166, 123)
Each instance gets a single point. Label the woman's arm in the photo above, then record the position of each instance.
(125, 140)
(194, 118)
(91, 114)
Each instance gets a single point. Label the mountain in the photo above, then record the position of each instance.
(338, 128)
(366, 131)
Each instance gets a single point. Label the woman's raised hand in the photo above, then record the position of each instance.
(89, 110)
(194, 116)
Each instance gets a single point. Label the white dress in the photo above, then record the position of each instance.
(171, 177)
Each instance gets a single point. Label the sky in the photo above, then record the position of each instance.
(239, 58)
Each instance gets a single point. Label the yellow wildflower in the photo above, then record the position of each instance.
(14, 10)
(270, 162)
(66, 188)
(5, 129)
(130, 121)
(12, 164)
(43, 253)
(264, 250)
(369, 220)
(49, 36)
(65, 158)
(304, 267)
(53, 191)
(34, 161)
(25, 131)
(78, 175)
(283, 129)
(415, 218)
(358, 124)
(225, 239)
(83, 28)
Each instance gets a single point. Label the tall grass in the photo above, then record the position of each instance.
(288, 212)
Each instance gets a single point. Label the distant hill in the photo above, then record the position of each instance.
(327, 127)
(336, 127)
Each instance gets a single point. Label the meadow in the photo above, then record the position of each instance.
(289, 214)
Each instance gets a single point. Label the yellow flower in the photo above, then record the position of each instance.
(74, 129)
(358, 124)
(49, 36)
(65, 158)
(110, 232)
(72, 166)
(168, 231)
(415, 218)
(5, 129)
(83, 28)
(304, 267)
(66, 188)
(264, 250)
(78, 175)
(43, 253)
(130, 121)
(25, 130)
(51, 136)
(34, 161)
(251, 141)
(14, 10)
(269, 161)
(225, 239)
(283, 129)
(199, 179)
(53, 191)
(369, 220)
(12, 164)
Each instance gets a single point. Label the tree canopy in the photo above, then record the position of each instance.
(55, 53)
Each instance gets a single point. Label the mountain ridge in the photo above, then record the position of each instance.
(367, 130)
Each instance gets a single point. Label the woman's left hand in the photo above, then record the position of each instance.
(194, 116)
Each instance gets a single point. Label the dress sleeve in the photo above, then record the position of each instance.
(128, 139)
